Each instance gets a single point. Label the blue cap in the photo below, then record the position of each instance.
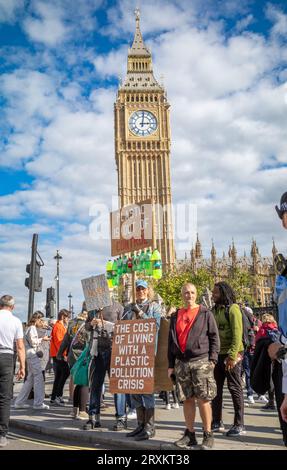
(141, 283)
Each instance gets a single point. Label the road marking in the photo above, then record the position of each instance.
(47, 444)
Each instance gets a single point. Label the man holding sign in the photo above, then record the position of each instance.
(143, 309)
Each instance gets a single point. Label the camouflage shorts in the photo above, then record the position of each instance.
(195, 379)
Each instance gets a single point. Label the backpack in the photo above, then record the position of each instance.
(248, 335)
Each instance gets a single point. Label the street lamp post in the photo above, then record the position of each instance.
(70, 302)
(58, 257)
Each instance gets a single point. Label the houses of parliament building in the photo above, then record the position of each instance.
(261, 269)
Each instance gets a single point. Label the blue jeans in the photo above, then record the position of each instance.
(120, 404)
(247, 358)
(99, 367)
(129, 402)
(147, 401)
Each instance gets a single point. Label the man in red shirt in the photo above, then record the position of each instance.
(193, 349)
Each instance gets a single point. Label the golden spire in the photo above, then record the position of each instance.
(138, 48)
(213, 250)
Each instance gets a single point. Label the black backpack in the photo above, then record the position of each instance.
(248, 335)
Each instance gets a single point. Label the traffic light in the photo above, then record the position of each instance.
(38, 280)
(27, 280)
(50, 302)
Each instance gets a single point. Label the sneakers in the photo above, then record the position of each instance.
(263, 399)
(3, 441)
(21, 406)
(268, 406)
(188, 440)
(175, 406)
(235, 431)
(250, 399)
(58, 401)
(132, 414)
(82, 415)
(208, 441)
(218, 427)
(120, 424)
(41, 407)
(168, 407)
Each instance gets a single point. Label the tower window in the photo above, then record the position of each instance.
(151, 98)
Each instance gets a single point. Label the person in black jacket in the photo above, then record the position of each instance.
(193, 348)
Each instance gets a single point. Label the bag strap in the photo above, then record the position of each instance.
(102, 319)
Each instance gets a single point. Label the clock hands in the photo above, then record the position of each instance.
(143, 122)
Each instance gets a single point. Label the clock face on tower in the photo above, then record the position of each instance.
(142, 123)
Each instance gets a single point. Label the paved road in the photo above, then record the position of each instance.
(24, 440)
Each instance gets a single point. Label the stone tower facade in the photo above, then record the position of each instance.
(262, 269)
(142, 142)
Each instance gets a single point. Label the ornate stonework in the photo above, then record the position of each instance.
(261, 268)
(142, 140)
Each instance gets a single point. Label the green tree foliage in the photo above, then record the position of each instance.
(169, 287)
(242, 282)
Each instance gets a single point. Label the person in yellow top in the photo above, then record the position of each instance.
(230, 326)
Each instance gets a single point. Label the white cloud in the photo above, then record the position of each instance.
(242, 24)
(9, 10)
(278, 18)
(48, 27)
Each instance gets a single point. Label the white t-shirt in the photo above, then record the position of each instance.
(10, 330)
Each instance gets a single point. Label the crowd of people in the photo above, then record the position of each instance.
(206, 347)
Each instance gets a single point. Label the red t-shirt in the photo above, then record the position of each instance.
(185, 320)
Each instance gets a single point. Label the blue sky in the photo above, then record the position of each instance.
(60, 63)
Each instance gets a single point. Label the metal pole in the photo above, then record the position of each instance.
(32, 275)
(70, 302)
(58, 257)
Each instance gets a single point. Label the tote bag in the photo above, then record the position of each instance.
(80, 370)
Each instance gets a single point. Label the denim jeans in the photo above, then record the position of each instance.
(6, 380)
(99, 367)
(247, 358)
(129, 402)
(120, 404)
(147, 401)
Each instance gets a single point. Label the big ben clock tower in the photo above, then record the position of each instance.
(142, 141)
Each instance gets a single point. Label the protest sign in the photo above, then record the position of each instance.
(133, 356)
(96, 292)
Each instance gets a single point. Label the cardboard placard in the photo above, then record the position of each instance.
(96, 292)
(161, 381)
(132, 228)
(133, 357)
